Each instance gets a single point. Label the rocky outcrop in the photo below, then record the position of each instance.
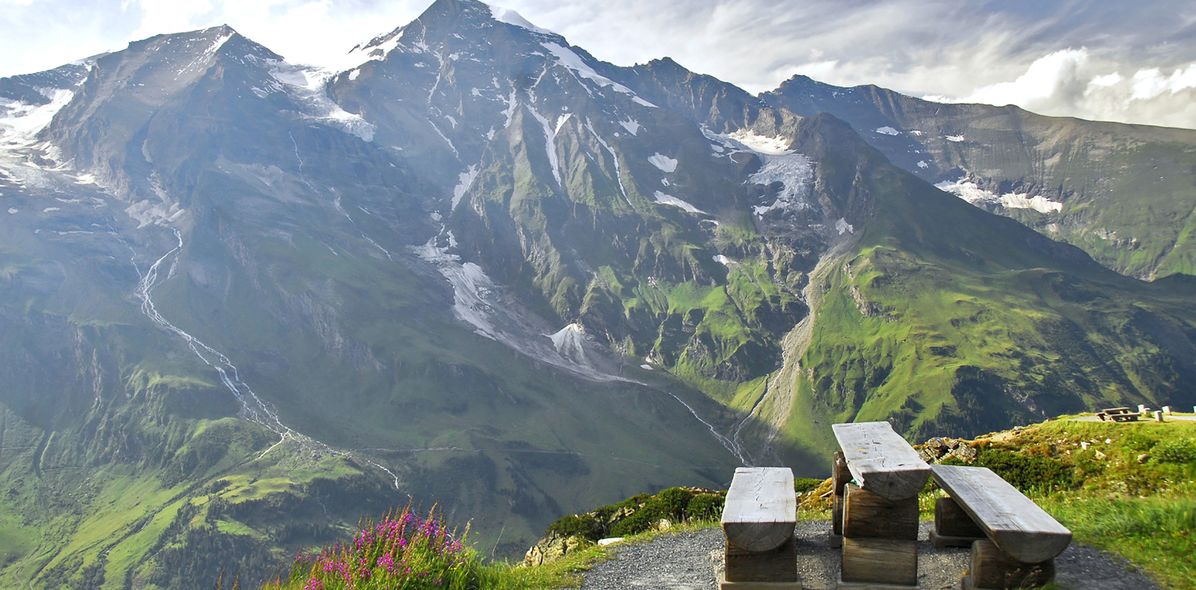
(552, 548)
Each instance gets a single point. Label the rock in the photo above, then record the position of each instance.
(965, 453)
(610, 541)
(1100, 456)
(552, 548)
(664, 524)
(1084, 445)
(1144, 457)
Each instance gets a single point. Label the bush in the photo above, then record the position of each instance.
(578, 525)
(1027, 473)
(1180, 450)
(802, 485)
(706, 507)
(670, 504)
(636, 522)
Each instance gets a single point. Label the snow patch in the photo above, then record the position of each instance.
(954, 138)
(972, 193)
(464, 181)
(672, 201)
(375, 50)
(22, 122)
(794, 171)
(549, 146)
(12, 211)
(631, 125)
(843, 227)
(773, 146)
(560, 122)
(512, 102)
(569, 342)
(723, 260)
(510, 17)
(923, 165)
(664, 163)
(1038, 203)
(573, 62)
(307, 86)
(886, 130)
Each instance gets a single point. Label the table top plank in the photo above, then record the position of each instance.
(880, 460)
(1014, 523)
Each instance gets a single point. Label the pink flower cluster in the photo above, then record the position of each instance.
(401, 551)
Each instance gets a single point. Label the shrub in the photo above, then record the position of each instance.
(802, 485)
(636, 522)
(578, 525)
(1179, 450)
(670, 504)
(1027, 473)
(706, 507)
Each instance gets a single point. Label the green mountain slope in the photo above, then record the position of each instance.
(942, 316)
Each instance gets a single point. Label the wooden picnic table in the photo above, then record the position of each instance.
(877, 511)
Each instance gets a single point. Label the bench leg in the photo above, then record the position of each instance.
(879, 545)
(879, 563)
(952, 526)
(994, 570)
(776, 566)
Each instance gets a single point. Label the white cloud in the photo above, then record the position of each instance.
(1068, 82)
(1059, 58)
(1051, 77)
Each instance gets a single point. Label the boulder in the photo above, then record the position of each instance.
(552, 548)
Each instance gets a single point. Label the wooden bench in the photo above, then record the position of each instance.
(1014, 542)
(1118, 415)
(759, 518)
(877, 476)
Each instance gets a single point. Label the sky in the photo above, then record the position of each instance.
(1096, 59)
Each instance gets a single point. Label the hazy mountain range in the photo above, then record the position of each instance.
(246, 302)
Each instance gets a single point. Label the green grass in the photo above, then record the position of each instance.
(1142, 508)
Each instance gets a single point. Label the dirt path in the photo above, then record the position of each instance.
(688, 561)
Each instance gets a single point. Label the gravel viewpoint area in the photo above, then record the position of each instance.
(688, 561)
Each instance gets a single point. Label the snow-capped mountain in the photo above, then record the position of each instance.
(248, 301)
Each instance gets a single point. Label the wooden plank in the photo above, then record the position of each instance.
(840, 475)
(761, 508)
(880, 561)
(778, 565)
(866, 514)
(880, 460)
(1013, 522)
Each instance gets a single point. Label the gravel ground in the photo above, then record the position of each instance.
(688, 561)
